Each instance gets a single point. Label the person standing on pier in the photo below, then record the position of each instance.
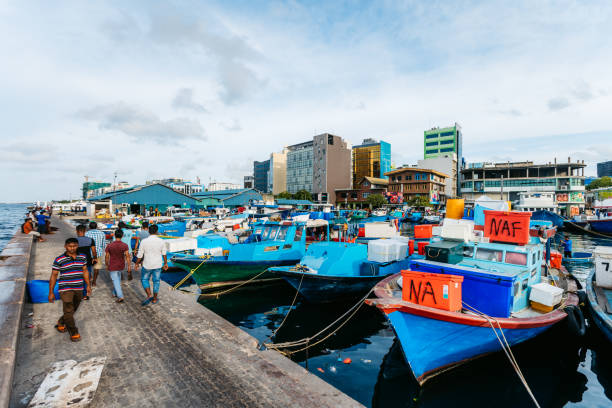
(100, 243)
(117, 257)
(152, 257)
(69, 270)
(142, 235)
(87, 248)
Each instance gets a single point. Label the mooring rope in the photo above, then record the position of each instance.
(205, 259)
(507, 350)
(217, 294)
(307, 340)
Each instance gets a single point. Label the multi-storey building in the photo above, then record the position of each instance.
(277, 175)
(445, 163)
(358, 195)
(443, 141)
(371, 159)
(248, 181)
(320, 167)
(299, 167)
(90, 186)
(331, 167)
(504, 181)
(604, 169)
(219, 186)
(260, 174)
(416, 182)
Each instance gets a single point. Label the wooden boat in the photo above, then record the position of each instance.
(271, 244)
(331, 271)
(600, 305)
(579, 258)
(495, 295)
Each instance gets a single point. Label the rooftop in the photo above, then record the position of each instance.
(415, 169)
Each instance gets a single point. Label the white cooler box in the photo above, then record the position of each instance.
(602, 256)
(180, 244)
(380, 230)
(462, 232)
(382, 250)
(546, 294)
(217, 251)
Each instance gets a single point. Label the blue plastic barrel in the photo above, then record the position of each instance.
(39, 291)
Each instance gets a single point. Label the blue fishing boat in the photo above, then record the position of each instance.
(495, 312)
(579, 258)
(603, 226)
(222, 259)
(331, 271)
(599, 304)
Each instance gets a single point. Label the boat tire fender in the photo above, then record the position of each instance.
(582, 298)
(575, 320)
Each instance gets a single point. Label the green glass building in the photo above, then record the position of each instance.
(438, 141)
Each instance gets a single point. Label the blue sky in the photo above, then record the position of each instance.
(187, 89)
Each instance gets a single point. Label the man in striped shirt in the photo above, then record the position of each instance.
(69, 270)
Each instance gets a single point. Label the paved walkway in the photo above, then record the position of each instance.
(175, 353)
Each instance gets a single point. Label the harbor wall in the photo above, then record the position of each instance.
(14, 264)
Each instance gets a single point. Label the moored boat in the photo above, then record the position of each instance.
(487, 300)
(271, 244)
(599, 304)
(331, 271)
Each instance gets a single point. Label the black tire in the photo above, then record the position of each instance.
(575, 320)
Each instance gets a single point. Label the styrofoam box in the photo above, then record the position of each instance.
(216, 251)
(603, 266)
(382, 250)
(180, 244)
(451, 221)
(380, 230)
(463, 232)
(546, 294)
(437, 231)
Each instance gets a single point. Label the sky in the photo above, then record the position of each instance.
(202, 88)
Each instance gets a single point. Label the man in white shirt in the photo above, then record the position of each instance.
(152, 257)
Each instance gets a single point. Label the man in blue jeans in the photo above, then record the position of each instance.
(152, 256)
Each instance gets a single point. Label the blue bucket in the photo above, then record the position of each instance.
(39, 291)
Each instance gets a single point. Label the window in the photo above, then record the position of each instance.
(353, 195)
(408, 177)
(282, 233)
(446, 142)
(447, 149)
(266, 232)
(516, 258)
(399, 178)
(330, 139)
(431, 151)
(432, 136)
(489, 255)
(365, 195)
(451, 133)
(298, 234)
(431, 144)
(342, 195)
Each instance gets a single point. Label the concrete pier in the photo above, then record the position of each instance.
(174, 353)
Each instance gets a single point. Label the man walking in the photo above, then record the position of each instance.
(100, 243)
(87, 248)
(143, 234)
(117, 257)
(152, 257)
(69, 270)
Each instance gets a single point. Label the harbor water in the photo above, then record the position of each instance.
(11, 218)
(561, 371)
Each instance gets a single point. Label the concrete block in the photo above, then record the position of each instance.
(10, 292)
(10, 316)
(7, 364)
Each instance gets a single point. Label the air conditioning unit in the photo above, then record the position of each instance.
(562, 187)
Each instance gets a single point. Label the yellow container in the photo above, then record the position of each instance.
(454, 208)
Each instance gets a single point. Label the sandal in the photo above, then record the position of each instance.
(146, 301)
(85, 297)
(154, 301)
(60, 328)
(75, 337)
(120, 300)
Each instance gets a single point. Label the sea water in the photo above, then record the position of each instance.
(560, 371)
(11, 218)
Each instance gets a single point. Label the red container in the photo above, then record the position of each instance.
(421, 247)
(507, 226)
(435, 290)
(423, 231)
(361, 232)
(410, 247)
(556, 259)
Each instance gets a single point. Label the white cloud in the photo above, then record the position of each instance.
(184, 100)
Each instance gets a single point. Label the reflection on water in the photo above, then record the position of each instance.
(560, 372)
